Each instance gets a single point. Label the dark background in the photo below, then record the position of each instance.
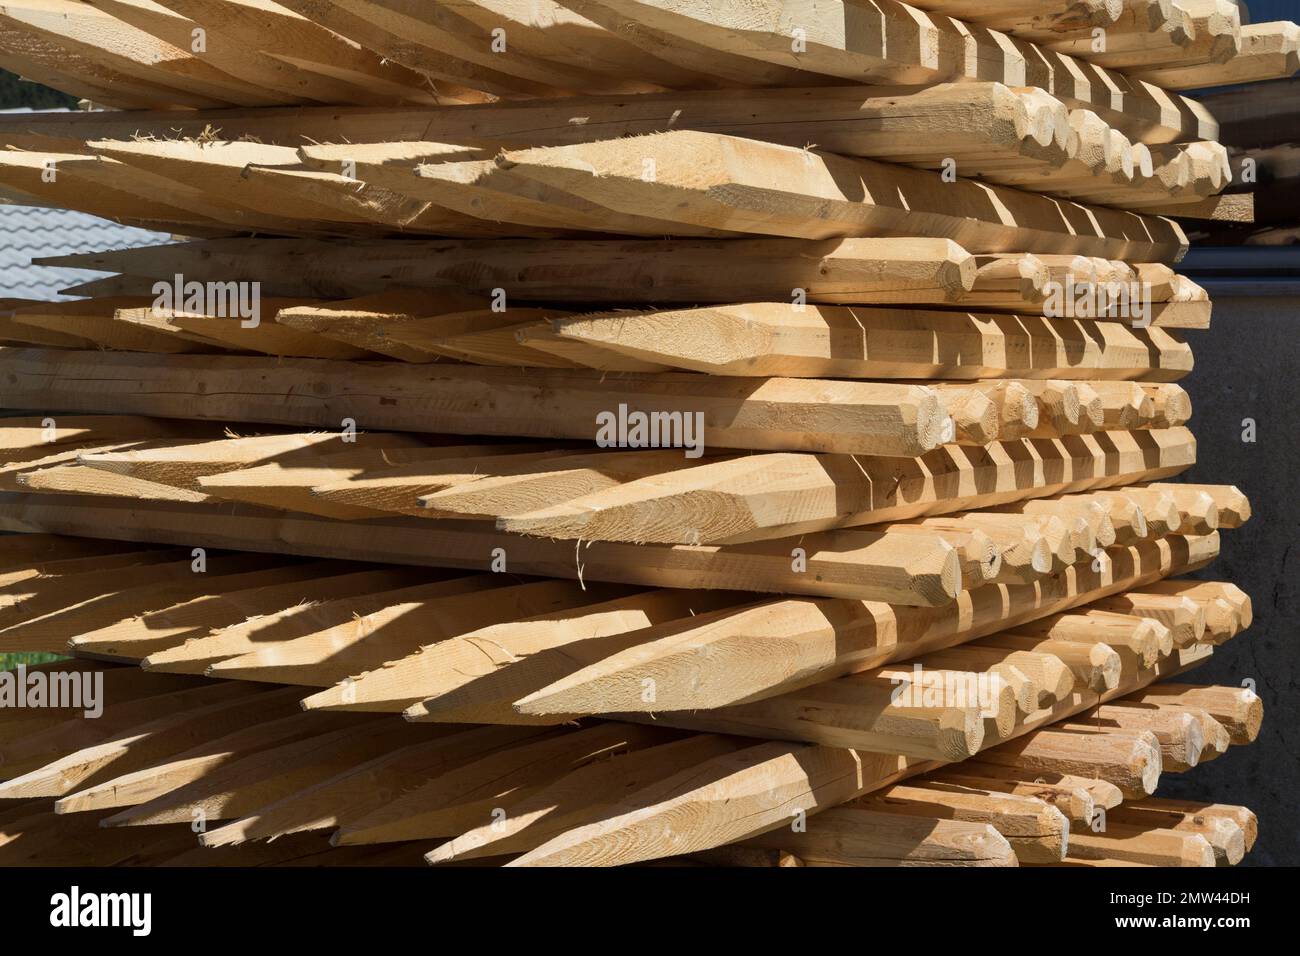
(1264, 10)
(1246, 367)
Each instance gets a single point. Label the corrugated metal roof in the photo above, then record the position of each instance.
(28, 232)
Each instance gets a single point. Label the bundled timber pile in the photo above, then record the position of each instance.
(618, 432)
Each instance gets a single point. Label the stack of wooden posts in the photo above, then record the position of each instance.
(619, 431)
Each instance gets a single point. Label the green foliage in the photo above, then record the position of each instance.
(17, 92)
(10, 661)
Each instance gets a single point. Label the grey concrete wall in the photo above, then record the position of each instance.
(1247, 366)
